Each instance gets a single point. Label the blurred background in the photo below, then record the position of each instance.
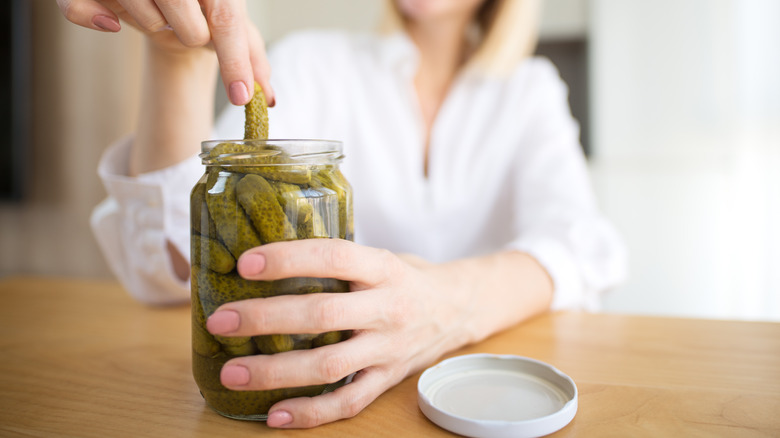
(678, 100)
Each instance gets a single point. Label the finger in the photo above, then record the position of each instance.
(296, 368)
(322, 258)
(344, 402)
(90, 14)
(187, 21)
(227, 23)
(145, 14)
(260, 65)
(313, 313)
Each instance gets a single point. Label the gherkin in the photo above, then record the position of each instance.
(333, 179)
(232, 224)
(211, 252)
(299, 206)
(200, 218)
(272, 344)
(203, 342)
(237, 345)
(312, 228)
(252, 403)
(217, 289)
(326, 338)
(298, 286)
(293, 201)
(258, 158)
(256, 112)
(259, 200)
(206, 370)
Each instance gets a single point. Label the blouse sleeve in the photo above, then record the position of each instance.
(138, 220)
(557, 218)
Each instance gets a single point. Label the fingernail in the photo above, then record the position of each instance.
(106, 23)
(234, 375)
(279, 418)
(239, 93)
(166, 27)
(251, 264)
(223, 322)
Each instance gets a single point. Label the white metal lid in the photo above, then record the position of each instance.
(495, 396)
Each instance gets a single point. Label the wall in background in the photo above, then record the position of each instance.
(686, 124)
(84, 97)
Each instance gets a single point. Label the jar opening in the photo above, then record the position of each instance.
(270, 152)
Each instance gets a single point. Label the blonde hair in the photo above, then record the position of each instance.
(507, 32)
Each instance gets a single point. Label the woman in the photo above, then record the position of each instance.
(465, 164)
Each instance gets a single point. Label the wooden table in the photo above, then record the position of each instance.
(81, 358)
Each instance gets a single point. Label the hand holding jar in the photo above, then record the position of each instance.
(402, 318)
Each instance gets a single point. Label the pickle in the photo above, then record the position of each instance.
(272, 344)
(326, 338)
(298, 286)
(212, 253)
(334, 285)
(293, 201)
(324, 221)
(267, 161)
(313, 228)
(249, 403)
(303, 342)
(334, 180)
(206, 370)
(200, 218)
(256, 113)
(203, 342)
(215, 289)
(232, 224)
(237, 345)
(289, 173)
(195, 292)
(258, 198)
(298, 205)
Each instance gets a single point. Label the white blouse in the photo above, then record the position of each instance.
(505, 169)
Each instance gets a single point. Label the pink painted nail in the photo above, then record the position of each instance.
(104, 22)
(251, 264)
(223, 322)
(279, 419)
(234, 375)
(238, 92)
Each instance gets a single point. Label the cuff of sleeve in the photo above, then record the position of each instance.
(166, 189)
(146, 275)
(568, 290)
(141, 215)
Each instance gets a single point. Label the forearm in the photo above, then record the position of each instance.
(176, 111)
(493, 292)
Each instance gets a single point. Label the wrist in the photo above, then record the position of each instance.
(177, 106)
(180, 58)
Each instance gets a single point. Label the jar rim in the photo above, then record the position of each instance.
(296, 151)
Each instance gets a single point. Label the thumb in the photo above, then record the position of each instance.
(90, 14)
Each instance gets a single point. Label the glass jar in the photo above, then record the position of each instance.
(255, 192)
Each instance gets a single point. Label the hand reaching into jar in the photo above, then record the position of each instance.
(176, 109)
(404, 313)
(175, 25)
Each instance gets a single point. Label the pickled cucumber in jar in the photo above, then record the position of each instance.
(253, 192)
